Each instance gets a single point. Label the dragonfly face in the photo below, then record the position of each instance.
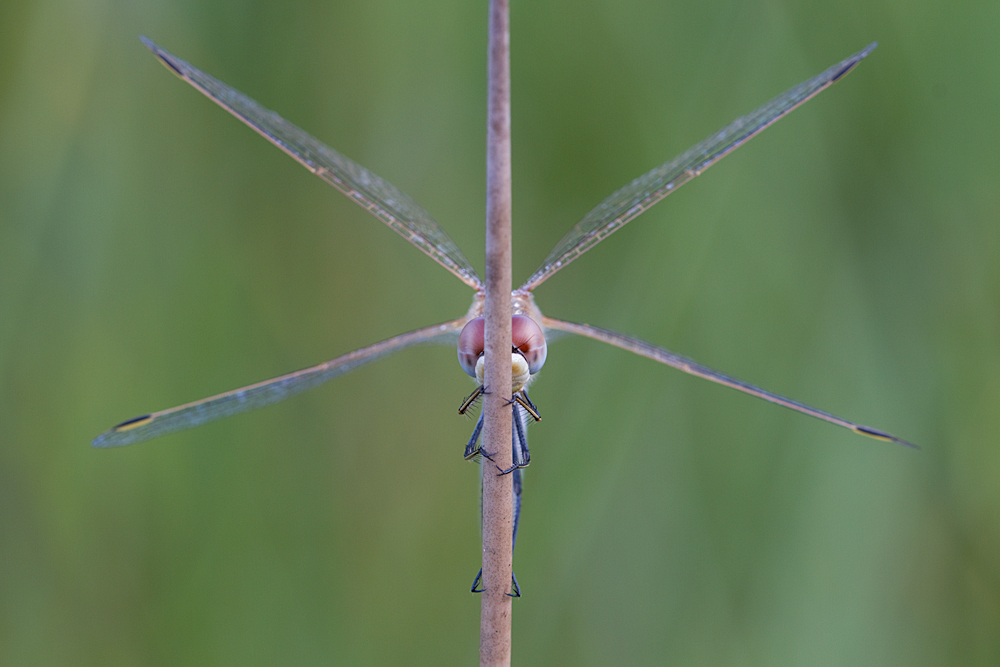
(528, 350)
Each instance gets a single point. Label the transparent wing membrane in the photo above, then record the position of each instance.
(628, 202)
(267, 392)
(694, 368)
(384, 200)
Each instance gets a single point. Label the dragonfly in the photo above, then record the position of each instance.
(530, 327)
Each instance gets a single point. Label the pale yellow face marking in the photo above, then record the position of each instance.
(520, 377)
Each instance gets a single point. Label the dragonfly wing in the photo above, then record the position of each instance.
(628, 202)
(694, 368)
(382, 198)
(268, 391)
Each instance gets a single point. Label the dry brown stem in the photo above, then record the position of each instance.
(498, 518)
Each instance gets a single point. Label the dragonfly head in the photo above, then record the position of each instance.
(528, 350)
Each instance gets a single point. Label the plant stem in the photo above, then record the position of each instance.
(498, 493)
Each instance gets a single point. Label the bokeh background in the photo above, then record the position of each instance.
(153, 251)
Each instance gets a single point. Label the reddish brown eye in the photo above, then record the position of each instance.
(471, 343)
(529, 340)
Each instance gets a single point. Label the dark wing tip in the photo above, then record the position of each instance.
(853, 61)
(882, 435)
(163, 56)
(130, 424)
(108, 439)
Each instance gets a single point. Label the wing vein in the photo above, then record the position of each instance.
(692, 367)
(628, 202)
(376, 195)
(270, 391)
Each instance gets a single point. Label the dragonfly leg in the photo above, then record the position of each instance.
(521, 398)
(520, 456)
(478, 580)
(471, 399)
(517, 506)
(515, 589)
(473, 449)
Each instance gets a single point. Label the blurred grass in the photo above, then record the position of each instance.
(154, 251)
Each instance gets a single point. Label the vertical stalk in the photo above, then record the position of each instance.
(498, 492)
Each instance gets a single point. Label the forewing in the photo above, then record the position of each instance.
(628, 202)
(267, 392)
(382, 198)
(694, 368)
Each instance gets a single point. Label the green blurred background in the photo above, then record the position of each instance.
(153, 251)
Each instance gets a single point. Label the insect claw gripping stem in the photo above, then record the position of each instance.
(515, 589)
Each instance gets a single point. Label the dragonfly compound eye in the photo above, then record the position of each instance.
(529, 341)
(471, 343)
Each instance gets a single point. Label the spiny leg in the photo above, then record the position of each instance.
(472, 449)
(520, 453)
(520, 456)
(521, 398)
(471, 399)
